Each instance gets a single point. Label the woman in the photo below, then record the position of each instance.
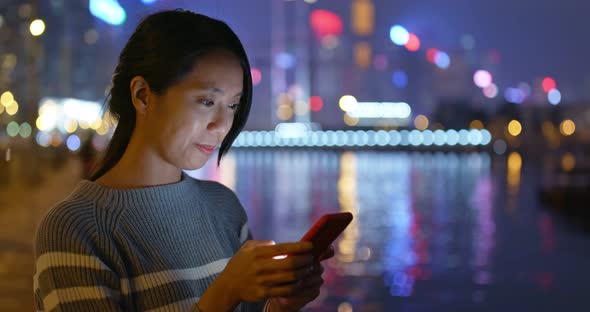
(142, 235)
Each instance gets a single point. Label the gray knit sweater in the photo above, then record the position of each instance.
(147, 249)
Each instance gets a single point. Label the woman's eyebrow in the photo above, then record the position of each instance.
(217, 90)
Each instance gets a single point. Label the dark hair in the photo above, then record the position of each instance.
(163, 49)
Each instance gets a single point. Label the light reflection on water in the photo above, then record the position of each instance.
(425, 228)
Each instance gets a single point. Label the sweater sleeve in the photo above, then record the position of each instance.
(74, 262)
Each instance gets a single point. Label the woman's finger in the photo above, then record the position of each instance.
(327, 254)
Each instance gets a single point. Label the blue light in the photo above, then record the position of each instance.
(442, 60)
(415, 138)
(73, 142)
(394, 138)
(486, 137)
(148, 1)
(400, 79)
(428, 137)
(464, 137)
(108, 10)
(554, 96)
(399, 35)
(475, 137)
(440, 137)
(285, 60)
(514, 95)
(452, 137)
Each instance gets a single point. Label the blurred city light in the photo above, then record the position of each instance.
(300, 134)
(347, 103)
(256, 76)
(109, 11)
(431, 55)
(43, 138)
(490, 91)
(37, 27)
(514, 128)
(413, 43)
(316, 103)
(363, 17)
(148, 1)
(421, 122)
(12, 108)
(362, 54)
(325, 23)
(400, 79)
(400, 110)
(567, 127)
(285, 60)
(500, 147)
(482, 78)
(25, 130)
(548, 84)
(6, 98)
(73, 143)
(12, 129)
(442, 60)
(554, 96)
(568, 162)
(399, 35)
(476, 124)
(55, 112)
(514, 95)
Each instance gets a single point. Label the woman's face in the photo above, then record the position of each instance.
(193, 116)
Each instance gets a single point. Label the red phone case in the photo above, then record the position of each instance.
(325, 231)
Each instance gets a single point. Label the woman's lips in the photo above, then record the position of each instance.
(206, 149)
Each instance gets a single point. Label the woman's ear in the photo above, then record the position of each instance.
(140, 94)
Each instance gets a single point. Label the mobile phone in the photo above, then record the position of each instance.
(325, 231)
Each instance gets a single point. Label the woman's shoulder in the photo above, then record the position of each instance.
(220, 196)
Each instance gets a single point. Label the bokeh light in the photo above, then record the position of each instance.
(413, 43)
(25, 130)
(548, 84)
(567, 127)
(500, 147)
(442, 60)
(284, 112)
(316, 103)
(325, 23)
(554, 96)
(399, 35)
(400, 79)
(490, 91)
(256, 76)
(347, 103)
(12, 129)
(514, 128)
(482, 78)
(476, 124)
(73, 143)
(421, 122)
(12, 108)
(6, 98)
(568, 162)
(37, 27)
(109, 11)
(431, 55)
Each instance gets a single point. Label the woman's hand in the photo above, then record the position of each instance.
(254, 274)
(310, 288)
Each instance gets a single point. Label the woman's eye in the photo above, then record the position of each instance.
(234, 106)
(207, 102)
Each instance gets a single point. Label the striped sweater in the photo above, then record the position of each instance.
(146, 249)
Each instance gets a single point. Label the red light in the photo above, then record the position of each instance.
(316, 103)
(325, 23)
(431, 54)
(413, 43)
(256, 76)
(549, 84)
